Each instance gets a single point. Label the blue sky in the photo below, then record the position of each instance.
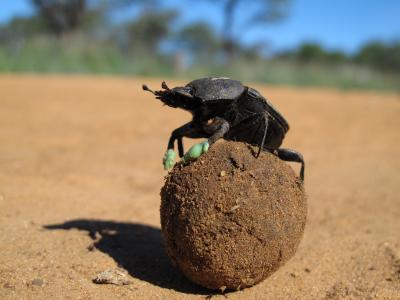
(337, 24)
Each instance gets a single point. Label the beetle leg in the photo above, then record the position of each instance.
(257, 123)
(217, 130)
(187, 130)
(220, 129)
(169, 157)
(181, 150)
(261, 146)
(292, 155)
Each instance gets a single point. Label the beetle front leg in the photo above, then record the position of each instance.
(181, 150)
(187, 130)
(171, 143)
(169, 156)
(217, 130)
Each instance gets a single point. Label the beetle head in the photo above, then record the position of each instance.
(181, 97)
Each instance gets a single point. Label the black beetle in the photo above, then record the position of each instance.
(224, 108)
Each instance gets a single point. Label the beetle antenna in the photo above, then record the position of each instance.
(146, 88)
(165, 86)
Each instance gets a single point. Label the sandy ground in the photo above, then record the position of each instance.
(80, 174)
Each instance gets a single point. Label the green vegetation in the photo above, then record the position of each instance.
(71, 37)
(50, 55)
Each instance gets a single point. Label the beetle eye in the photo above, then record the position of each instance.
(186, 92)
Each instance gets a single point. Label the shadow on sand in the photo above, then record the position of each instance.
(138, 249)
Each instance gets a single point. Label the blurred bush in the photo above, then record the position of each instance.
(380, 56)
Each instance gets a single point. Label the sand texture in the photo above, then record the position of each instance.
(80, 179)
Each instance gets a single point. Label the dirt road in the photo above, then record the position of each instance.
(80, 174)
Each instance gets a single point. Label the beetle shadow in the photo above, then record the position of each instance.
(137, 248)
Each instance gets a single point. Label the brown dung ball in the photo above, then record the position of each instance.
(230, 220)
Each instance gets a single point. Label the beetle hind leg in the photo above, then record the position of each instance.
(294, 156)
(261, 145)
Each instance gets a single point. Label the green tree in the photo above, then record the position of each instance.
(381, 56)
(336, 57)
(313, 52)
(252, 14)
(150, 29)
(310, 52)
(21, 27)
(61, 16)
(199, 40)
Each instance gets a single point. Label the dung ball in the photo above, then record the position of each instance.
(229, 220)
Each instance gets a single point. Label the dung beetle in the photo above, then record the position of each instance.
(225, 108)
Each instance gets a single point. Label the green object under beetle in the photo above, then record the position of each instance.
(195, 151)
(169, 159)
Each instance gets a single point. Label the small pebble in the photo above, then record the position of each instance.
(222, 174)
(234, 208)
(8, 285)
(37, 282)
(112, 276)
